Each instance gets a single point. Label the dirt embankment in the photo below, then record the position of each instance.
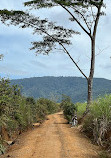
(53, 139)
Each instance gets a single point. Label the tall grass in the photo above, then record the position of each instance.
(98, 122)
(81, 108)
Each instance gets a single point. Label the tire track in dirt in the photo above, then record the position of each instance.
(64, 153)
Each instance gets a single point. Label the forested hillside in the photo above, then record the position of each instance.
(54, 87)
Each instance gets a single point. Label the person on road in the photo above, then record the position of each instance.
(74, 120)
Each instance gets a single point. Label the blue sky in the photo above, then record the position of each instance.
(20, 62)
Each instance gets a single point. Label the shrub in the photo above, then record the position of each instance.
(69, 108)
(46, 106)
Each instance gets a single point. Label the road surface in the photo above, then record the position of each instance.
(53, 139)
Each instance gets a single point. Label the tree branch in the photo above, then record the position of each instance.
(76, 20)
(66, 53)
(62, 47)
(97, 19)
(59, 41)
(83, 18)
(73, 61)
(93, 41)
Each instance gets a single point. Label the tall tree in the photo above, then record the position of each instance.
(85, 13)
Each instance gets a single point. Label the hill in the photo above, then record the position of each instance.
(54, 87)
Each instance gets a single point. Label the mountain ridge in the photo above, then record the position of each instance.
(53, 87)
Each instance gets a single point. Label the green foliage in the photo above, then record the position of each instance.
(11, 13)
(81, 108)
(41, 4)
(59, 34)
(98, 122)
(68, 107)
(102, 108)
(46, 106)
(14, 113)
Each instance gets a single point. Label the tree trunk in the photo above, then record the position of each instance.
(91, 75)
(89, 98)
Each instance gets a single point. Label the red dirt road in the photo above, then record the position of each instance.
(53, 139)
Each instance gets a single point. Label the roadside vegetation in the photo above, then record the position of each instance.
(97, 124)
(68, 107)
(18, 113)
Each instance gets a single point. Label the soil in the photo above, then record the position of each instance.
(53, 139)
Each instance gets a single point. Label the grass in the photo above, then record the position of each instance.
(81, 108)
(98, 122)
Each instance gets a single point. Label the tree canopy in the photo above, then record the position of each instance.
(52, 33)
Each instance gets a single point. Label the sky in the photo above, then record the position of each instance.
(20, 62)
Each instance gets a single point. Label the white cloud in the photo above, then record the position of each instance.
(21, 62)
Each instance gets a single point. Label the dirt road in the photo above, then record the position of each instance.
(53, 139)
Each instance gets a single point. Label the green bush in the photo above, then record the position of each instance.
(45, 107)
(69, 108)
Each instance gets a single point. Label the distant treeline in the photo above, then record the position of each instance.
(54, 87)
